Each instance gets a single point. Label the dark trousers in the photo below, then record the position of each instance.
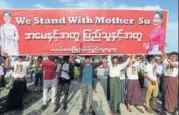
(63, 85)
(16, 93)
(108, 88)
(39, 80)
(141, 79)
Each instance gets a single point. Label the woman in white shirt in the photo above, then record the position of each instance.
(19, 75)
(114, 73)
(134, 96)
(170, 84)
(9, 37)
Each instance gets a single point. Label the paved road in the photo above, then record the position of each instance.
(33, 102)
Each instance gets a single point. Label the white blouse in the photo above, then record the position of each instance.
(114, 70)
(9, 39)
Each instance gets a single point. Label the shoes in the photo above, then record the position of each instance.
(43, 107)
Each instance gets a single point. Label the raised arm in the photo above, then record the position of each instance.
(29, 63)
(109, 61)
(170, 62)
(124, 65)
(131, 61)
(98, 64)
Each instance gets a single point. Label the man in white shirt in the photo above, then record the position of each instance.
(114, 73)
(170, 84)
(151, 84)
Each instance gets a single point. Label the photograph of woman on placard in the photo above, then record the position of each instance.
(156, 42)
(9, 37)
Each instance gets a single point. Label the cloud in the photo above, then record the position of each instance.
(86, 3)
(5, 5)
(40, 6)
(102, 4)
(156, 7)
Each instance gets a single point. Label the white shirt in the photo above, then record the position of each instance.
(123, 74)
(142, 65)
(102, 72)
(159, 69)
(138, 66)
(114, 70)
(65, 69)
(58, 67)
(1, 71)
(132, 73)
(151, 73)
(170, 71)
(9, 39)
(20, 69)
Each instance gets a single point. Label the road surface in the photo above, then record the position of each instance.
(33, 103)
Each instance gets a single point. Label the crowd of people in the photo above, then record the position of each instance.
(122, 78)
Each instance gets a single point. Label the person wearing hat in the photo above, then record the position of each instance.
(151, 83)
(170, 83)
(114, 73)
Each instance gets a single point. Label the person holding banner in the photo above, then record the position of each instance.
(151, 83)
(39, 74)
(65, 73)
(170, 83)
(9, 37)
(156, 43)
(87, 75)
(114, 73)
(134, 96)
(49, 80)
(19, 76)
(123, 81)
